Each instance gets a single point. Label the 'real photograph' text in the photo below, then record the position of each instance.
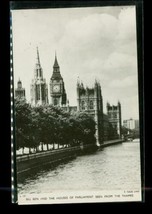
(75, 94)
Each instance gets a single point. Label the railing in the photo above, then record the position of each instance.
(46, 153)
(63, 150)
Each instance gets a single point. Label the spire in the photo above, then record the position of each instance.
(38, 58)
(56, 69)
(38, 68)
(19, 81)
(56, 65)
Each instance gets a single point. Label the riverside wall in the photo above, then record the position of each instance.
(28, 162)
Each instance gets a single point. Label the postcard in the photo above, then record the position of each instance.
(75, 105)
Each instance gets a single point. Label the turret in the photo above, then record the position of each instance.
(19, 84)
(19, 91)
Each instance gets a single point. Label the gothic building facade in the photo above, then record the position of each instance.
(19, 91)
(39, 89)
(114, 116)
(89, 100)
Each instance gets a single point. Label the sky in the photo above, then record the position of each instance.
(90, 43)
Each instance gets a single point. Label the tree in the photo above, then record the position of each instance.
(22, 123)
(124, 131)
(51, 125)
(85, 128)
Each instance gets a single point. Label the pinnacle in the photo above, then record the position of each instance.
(56, 62)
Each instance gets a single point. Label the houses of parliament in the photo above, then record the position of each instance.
(89, 100)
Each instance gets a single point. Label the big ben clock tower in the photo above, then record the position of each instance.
(57, 90)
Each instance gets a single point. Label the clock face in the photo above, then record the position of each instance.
(56, 88)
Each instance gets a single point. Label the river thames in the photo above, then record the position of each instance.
(113, 168)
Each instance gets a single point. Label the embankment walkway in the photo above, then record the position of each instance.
(29, 161)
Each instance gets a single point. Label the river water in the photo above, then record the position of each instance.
(115, 167)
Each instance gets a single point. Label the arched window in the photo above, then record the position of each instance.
(83, 105)
(91, 104)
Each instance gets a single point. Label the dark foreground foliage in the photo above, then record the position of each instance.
(50, 125)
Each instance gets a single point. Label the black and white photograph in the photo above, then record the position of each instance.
(76, 109)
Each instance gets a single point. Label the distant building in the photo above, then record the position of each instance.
(89, 100)
(39, 89)
(57, 90)
(114, 115)
(19, 91)
(131, 124)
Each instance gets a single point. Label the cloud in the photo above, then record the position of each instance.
(119, 60)
(127, 24)
(130, 107)
(122, 83)
(89, 35)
